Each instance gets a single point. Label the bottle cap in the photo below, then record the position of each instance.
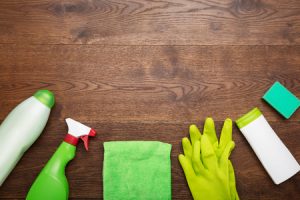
(46, 97)
(248, 118)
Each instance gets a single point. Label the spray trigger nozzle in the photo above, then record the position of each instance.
(85, 138)
(78, 130)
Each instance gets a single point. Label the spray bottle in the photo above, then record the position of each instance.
(21, 128)
(51, 183)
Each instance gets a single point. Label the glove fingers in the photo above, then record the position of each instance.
(208, 155)
(186, 166)
(226, 153)
(194, 133)
(187, 147)
(210, 131)
(226, 134)
(197, 164)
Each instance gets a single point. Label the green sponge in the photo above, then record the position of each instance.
(280, 98)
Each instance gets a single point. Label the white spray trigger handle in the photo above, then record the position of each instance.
(76, 128)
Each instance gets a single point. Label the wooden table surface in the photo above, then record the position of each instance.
(145, 70)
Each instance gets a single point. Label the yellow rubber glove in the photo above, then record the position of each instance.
(221, 151)
(225, 138)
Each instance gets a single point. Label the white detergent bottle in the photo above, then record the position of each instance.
(21, 128)
(270, 150)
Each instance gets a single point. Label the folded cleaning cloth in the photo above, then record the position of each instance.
(135, 170)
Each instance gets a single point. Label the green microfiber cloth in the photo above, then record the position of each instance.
(135, 170)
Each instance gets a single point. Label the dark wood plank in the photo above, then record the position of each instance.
(148, 22)
(153, 83)
(148, 93)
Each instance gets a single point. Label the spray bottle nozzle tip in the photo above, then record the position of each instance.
(92, 132)
(85, 138)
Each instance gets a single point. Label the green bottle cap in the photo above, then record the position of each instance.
(46, 97)
(248, 118)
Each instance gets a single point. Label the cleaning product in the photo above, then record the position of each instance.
(135, 170)
(282, 100)
(21, 128)
(219, 147)
(272, 153)
(207, 176)
(52, 184)
(205, 162)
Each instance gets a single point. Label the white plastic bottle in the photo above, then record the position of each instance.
(21, 128)
(270, 150)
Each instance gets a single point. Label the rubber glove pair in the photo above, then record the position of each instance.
(206, 163)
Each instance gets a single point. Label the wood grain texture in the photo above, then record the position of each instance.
(186, 83)
(149, 22)
(145, 70)
(148, 93)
